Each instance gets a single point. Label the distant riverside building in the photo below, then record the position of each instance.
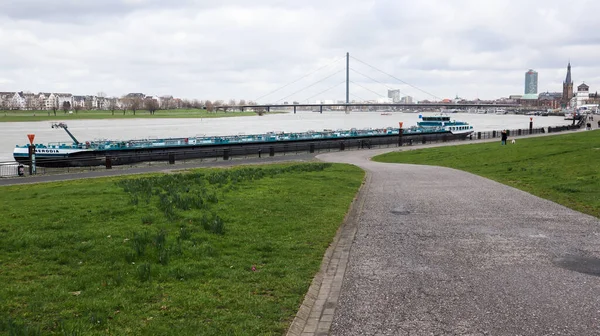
(531, 82)
(584, 97)
(567, 88)
(407, 100)
(395, 95)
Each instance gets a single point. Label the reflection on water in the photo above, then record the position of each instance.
(12, 134)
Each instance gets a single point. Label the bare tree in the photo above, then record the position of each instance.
(66, 106)
(125, 103)
(186, 103)
(135, 104)
(54, 106)
(30, 102)
(112, 105)
(77, 107)
(259, 110)
(15, 104)
(151, 105)
(166, 103)
(197, 104)
(89, 103)
(209, 106)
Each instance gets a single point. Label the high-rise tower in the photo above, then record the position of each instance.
(531, 82)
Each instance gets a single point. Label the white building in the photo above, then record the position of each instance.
(63, 98)
(582, 95)
(17, 102)
(407, 100)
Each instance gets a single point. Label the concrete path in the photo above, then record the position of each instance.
(437, 251)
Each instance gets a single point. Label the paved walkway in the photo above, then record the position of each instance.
(437, 251)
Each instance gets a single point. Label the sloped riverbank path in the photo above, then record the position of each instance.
(436, 251)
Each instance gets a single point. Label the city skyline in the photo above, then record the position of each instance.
(237, 50)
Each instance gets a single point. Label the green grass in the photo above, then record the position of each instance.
(13, 116)
(562, 168)
(211, 252)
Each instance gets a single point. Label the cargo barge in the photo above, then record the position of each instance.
(97, 152)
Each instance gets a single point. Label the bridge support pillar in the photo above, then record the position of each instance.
(108, 162)
(321, 109)
(311, 148)
(268, 109)
(171, 158)
(294, 109)
(225, 154)
(271, 151)
(342, 146)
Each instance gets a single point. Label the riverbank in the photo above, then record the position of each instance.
(562, 168)
(21, 116)
(213, 253)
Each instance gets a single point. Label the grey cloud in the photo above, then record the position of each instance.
(240, 49)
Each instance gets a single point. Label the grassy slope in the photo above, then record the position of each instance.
(562, 168)
(69, 256)
(19, 116)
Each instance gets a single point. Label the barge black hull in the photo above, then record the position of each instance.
(177, 153)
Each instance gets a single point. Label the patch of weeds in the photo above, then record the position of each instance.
(163, 256)
(139, 242)
(217, 226)
(213, 223)
(97, 319)
(148, 219)
(144, 272)
(19, 328)
(160, 239)
(184, 234)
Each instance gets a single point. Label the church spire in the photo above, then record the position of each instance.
(568, 79)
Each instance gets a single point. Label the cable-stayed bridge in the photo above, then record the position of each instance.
(347, 104)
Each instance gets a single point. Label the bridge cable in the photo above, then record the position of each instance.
(299, 79)
(359, 97)
(336, 85)
(396, 78)
(373, 79)
(313, 84)
(367, 89)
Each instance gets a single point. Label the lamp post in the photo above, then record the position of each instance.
(31, 153)
(400, 133)
(530, 124)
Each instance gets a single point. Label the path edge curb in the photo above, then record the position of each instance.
(347, 229)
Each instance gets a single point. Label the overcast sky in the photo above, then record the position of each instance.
(247, 49)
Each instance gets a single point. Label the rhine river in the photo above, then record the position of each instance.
(15, 133)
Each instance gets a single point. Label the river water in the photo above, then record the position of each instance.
(15, 133)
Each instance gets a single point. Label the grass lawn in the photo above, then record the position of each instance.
(12, 116)
(211, 252)
(562, 168)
